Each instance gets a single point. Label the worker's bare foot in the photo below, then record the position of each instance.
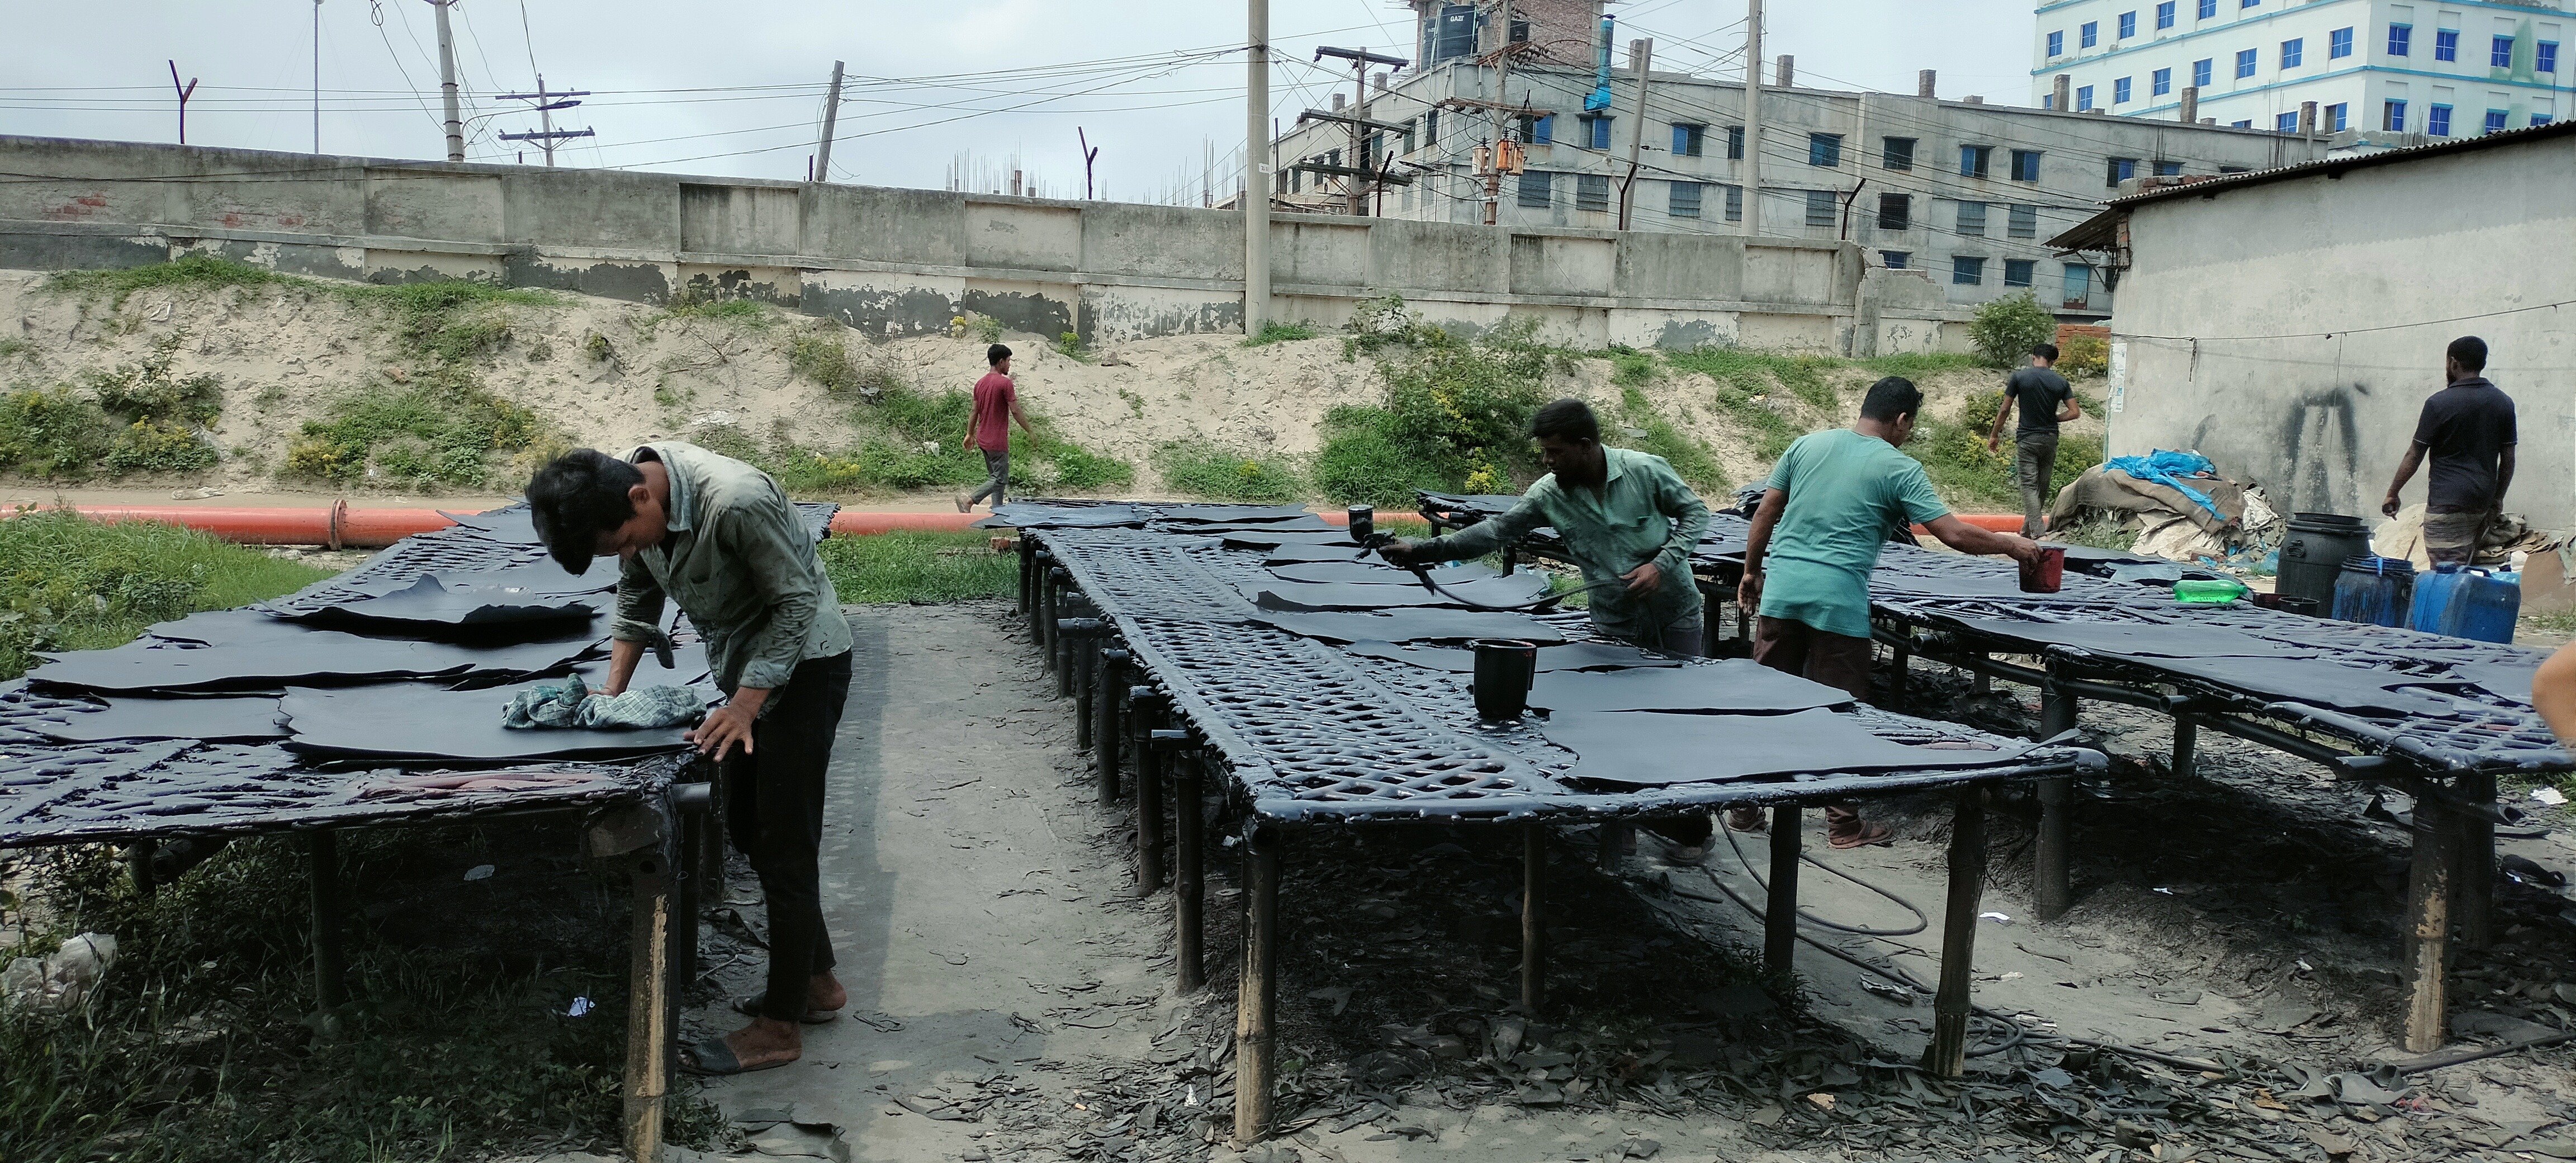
(1745, 820)
(1858, 834)
(964, 505)
(825, 993)
(765, 1044)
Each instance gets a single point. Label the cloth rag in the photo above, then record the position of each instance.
(570, 705)
(2168, 468)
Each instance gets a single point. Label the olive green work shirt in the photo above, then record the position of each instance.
(742, 567)
(1642, 512)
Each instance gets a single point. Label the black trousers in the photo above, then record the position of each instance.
(774, 810)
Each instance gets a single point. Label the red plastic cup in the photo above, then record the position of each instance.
(2046, 574)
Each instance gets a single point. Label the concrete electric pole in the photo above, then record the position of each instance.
(1257, 176)
(547, 103)
(1641, 54)
(831, 118)
(447, 83)
(1753, 121)
(317, 76)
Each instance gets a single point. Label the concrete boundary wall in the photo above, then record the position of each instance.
(899, 262)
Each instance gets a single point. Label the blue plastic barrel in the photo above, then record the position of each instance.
(2466, 603)
(2378, 591)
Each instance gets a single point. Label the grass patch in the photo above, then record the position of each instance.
(919, 567)
(69, 583)
(1202, 471)
(1278, 333)
(1918, 365)
(1697, 466)
(1954, 455)
(2555, 622)
(445, 319)
(695, 305)
(444, 429)
(824, 359)
(1361, 464)
(2097, 533)
(918, 443)
(193, 271)
(137, 418)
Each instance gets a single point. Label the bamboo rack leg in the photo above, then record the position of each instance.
(649, 1013)
(1780, 916)
(330, 969)
(1257, 1000)
(1189, 873)
(2428, 934)
(1947, 1056)
(1141, 713)
(1533, 920)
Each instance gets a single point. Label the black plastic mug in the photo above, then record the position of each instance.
(1504, 671)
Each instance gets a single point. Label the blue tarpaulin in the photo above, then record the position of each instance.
(2166, 467)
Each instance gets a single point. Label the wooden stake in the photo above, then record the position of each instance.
(1141, 713)
(1533, 922)
(1189, 874)
(330, 973)
(649, 1016)
(2428, 932)
(1780, 916)
(1257, 995)
(1947, 1056)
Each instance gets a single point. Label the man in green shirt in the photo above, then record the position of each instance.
(1629, 523)
(720, 538)
(1828, 509)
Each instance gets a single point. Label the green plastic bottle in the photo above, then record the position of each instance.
(2208, 593)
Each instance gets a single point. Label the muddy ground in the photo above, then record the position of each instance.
(1011, 996)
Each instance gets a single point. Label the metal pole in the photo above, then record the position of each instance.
(1751, 171)
(1256, 210)
(447, 83)
(831, 118)
(1644, 53)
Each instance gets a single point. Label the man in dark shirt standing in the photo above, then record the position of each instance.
(2469, 429)
(2046, 400)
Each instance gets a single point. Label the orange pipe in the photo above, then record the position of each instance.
(338, 526)
(1991, 522)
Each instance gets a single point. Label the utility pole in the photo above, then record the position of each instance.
(547, 103)
(1502, 84)
(317, 76)
(1752, 170)
(1360, 60)
(185, 91)
(1641, 53)
(447, 83)
(1256, 123)
(831, 117)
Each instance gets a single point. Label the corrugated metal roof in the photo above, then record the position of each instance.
(2340, 165)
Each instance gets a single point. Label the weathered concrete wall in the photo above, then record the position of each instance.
(2354, 266)
(907, 261)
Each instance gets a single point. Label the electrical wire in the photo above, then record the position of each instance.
(1921, 920)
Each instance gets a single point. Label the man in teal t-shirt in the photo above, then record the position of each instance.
(1830, 505)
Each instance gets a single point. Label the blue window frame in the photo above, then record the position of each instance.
(2401, 39)
(1973, 160)
(2495, 120)
(2025, 163)
(2294, 51)
(2208, 9)
(2057, 44)
(2088, 34)
(2247, 3)
(1543, 130)
(2120, 91)
(2245, 64)
(2246, 124)
(2500, 52)
(1597, 132)
(2201, 70)
(1895, 260)
(2437, 120)
(2545, 58)
(2165, 14)
(1689, 140)
(1821, 205)
(2017, 272)
(2168, 169)
(2160, 82)
(2083, 98)
(2338, 117)
(2446, 44)
(1824, 149)
(2119, 170)
(2128, 25)
(2540, 119)
(2392, 116)
(2079, 284)
(2285, 123)
(2339, 44)
(1685, 200)
(1967, 272)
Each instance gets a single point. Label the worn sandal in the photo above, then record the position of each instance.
(750, 1007)
(714, 1059)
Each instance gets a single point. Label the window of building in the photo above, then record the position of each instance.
(2245, 64)
(1538, 189)
(1895, 260)
(2079, 285)
(2025, 164)
(2495, 120)
(1898, 154)
(2245, 124)
(2294, 52)
(1973, 159)
(2285, 122)
(2233, 170)
(2437, 120)
(1376, 149)
(2083, 98)
(2544, 58)
(1820, 207)
(1592, 192)
(2393, 116)
(1735, 142)
(1689, 140)
(1538, 130)
(2540, 119)
(2168, 169)
(2446, 44)
(2160, 82)
(2401, 39)
(1967, 272)
(1685, 200)
(2122, 169)
(2017, 272)
(1734, 203)
(2338, 117)
(2057, 44)
(2247, 3)
(2208, 9)
(2500, 52)
(2201, 71)
(2022, 221)
(1296, 180)
(2339, 44)
(1431, 127)
(2089, 34)
(1972, 218)
(2165, 15)
(1332, 157)
(1596, 132)
(1895, 211)
(2120, 91)
(1824, 149)
(2128, 25)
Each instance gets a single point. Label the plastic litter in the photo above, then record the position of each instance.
(570, 705)
(2550, 796)
(60, 982)
(2166, 467)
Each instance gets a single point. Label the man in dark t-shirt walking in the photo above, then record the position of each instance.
(2468, 427)
(997, 403)
(2046, 400)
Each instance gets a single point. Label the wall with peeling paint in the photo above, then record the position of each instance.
(2290, 330)
(899, 262)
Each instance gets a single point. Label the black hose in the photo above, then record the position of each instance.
(1921, 921)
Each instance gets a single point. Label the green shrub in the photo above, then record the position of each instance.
(1204, 471)
(443, 430)
(197, 270)
(1279, 333)
(52, 433)
(2007, 328)
(1070, 346)
(918, 567)
(2084, 355)
(1361, 464)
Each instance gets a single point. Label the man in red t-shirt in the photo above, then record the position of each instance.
(997, 403)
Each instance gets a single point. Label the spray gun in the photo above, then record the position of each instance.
(1364, 533)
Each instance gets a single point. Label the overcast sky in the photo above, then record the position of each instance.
(736, 89)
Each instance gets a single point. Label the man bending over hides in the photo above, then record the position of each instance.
(1626, 518)
(1815, 539)
(718, 536)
